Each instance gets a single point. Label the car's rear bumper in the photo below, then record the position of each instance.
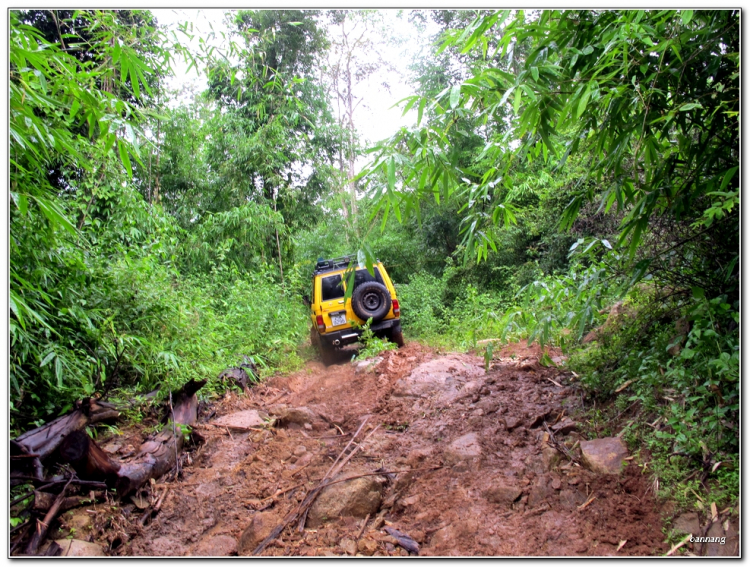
(349, 336)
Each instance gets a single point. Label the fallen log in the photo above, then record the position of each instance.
(155, 457)
(29, 449)
(239, 376)
(89, 461)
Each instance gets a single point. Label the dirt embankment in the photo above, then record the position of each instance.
(482, 481)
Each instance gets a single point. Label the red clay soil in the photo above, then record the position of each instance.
(500, 489)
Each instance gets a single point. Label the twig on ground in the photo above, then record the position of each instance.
(364, 525)
(277, 398)
(679, 545)
(404, 540)
(300, 470)
(383, 473)
(543, 508)
(41, 532)
(155, 510)
(19, 527)
(304, 506)
(556, 383)
(585, 504)
(559, 446)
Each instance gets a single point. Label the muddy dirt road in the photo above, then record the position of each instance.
(460, 455)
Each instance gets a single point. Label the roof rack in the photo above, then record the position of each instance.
(334, 263)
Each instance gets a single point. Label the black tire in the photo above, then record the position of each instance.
(397, 337)
(371, 299)
(327, 354)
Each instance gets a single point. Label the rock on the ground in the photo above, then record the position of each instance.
(570, 498)
(512, 422)
(540, 491)
(502, 494)
(260, 526)
(566, 426)
(367, 546)
(79, 548)
(349, 546)
(444, 537)
(217, 546)
(465, 448)
(488, 405)
(715, 548)
(550, 457)
(368, 365)
(687, 523)
(296, 417)
(605, 455)
(444, 379)
(242, 419)
(357, 497)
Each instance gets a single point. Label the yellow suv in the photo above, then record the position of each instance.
(373, 296)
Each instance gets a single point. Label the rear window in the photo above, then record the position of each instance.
(362, 276)
(331, 288)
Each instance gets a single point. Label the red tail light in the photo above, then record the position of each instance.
(321, 324)
(396, 308)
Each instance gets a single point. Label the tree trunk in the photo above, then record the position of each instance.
(278, 246)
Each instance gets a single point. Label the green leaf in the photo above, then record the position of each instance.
(728, 177)
(124, 157)
(48, 358)
(686, 16)
(698, 292)
(422, 102)
(75, 105)
(54, 214)
(455, 95)
(22, 203)
(517, 101)
(584, 101)
(690, 106)
(134, 82)
(391, 174)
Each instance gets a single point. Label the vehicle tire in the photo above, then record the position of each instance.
(327, 353)
(371, 299)
(397, 337)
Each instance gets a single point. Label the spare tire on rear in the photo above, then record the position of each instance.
(371, 299)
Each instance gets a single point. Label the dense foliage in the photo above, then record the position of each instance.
(564, 168)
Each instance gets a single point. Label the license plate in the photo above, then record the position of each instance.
(338, 319)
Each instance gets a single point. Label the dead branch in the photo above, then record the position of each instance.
(303, 507)
(552, 442)
(42, 527)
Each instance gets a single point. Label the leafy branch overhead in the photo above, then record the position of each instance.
(651, 97)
